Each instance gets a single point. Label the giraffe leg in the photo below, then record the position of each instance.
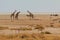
(11, 18)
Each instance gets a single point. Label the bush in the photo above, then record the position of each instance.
(52, 25)
(39, 27)
(2, 28)
(47, 32)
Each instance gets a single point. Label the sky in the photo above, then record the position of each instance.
(31, 5)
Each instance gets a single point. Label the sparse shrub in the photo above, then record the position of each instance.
(2, 28)
(51, 15)
(59, 21)
(51, 25)
(21, 29)
(47, 32)
(10, 36)
(23, 36)
(39, 27)
(54, 15)
(25, 28)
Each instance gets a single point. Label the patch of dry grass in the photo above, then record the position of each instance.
(3, 28)
(27, 36)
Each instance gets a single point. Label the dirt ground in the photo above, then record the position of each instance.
(26, 26)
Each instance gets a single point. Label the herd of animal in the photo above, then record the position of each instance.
(15, 16)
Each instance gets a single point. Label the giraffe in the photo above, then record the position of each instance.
(30, 15)
(12, 15)
(16, 16)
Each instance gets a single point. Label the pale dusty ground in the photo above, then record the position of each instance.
(45, 21)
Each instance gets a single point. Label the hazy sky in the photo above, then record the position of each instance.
(32, 5)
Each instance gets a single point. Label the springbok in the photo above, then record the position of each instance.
(16, 16)
(30, 15)
(12, 15)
